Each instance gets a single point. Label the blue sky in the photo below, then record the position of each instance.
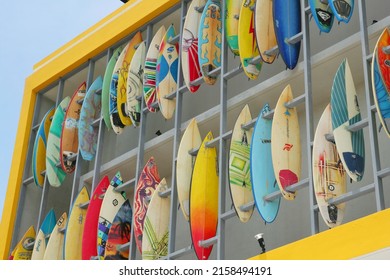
(29, 31)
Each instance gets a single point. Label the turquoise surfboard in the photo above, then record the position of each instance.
(43, 235)
(322, 14)
(90, 111)
(342, 9)
(287, 23)
(261, 168)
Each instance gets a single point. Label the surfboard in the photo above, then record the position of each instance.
(55, 245)
(345, 112)
(75, 227)
(115, 119)
(22, 250)
(286, 145)
(191, 140)
(149, 80)
(166, 73)
(264, 28)
(156, 225)
(43, 235)
(329, 178)
(90, 111)
(134, 84)
(189, 45)
(107, 85)
(123, 74)
(261, 168)
(54, 172)
(232, 14)
(247, 40)
(322, 14)
(89, 248)
(342, 9)
(147, 183)
(380, 95)
(210, 40)
(111, 204)
(69, 143)
(204, 198)
(383, 58)
(239, 165)
(119, 234)
(287, 23)
(39, 149)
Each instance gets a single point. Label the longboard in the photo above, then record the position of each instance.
(232, 13)
(345, 112)
(55, 245)
(189, 45)
(107, 85)
(119, 234)
(166, 73)
(74, 230)
(286, 145)
(265, 30)
(287, 23)
(134, 84)
(342, 9)
(149, 79)
(210, 40)
(123, 74)
(185, 164)
(247, 40)
(39, 150)
(329, 178)
(90, 111)
(380, 94)
(239, 166)
(322, 14)
(261, 168)
(54, 172)
(89, 248)
(43, 236)
(204, 198)
(111, 204)
(147, 183)
(156, 225)
(22, 250)
(69, 143)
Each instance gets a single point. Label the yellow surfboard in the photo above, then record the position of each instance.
(22, 251)
(75, 227)
(247, 40)
(239, 165)
(232, 13)
(264, 27)
(286, 144)
(185, 164)
(55, 245)
(122, 79)
(204, 198)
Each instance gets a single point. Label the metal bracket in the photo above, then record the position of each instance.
(296, 101)
(125, 185)
(200, 9)
(174, 40)
(80, 101)
(295, 39)
(386, 49)
(165, 194)
(249, 125)
(255, 60)
(208, 242)
(297, 186)
(171, 96)
(272, 51)
(247, 207)
(358, 126)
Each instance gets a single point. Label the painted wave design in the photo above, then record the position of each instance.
(339, 99)
(382, 97)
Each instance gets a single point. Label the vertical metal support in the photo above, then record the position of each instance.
(308, 112)
(77, 171)
(176, 140)
(100, 141)
(380, 203)
(60, 91)
(222, 157)
(141, 150)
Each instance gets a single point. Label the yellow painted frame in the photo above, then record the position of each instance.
(131, 16)
(347, 241)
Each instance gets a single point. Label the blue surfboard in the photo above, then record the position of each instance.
(287, 23)
(342, 9)
(322, 14)
(261, 168)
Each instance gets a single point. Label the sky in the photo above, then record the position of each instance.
(30, 31)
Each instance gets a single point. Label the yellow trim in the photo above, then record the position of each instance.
(350, 240)
(122, 22)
